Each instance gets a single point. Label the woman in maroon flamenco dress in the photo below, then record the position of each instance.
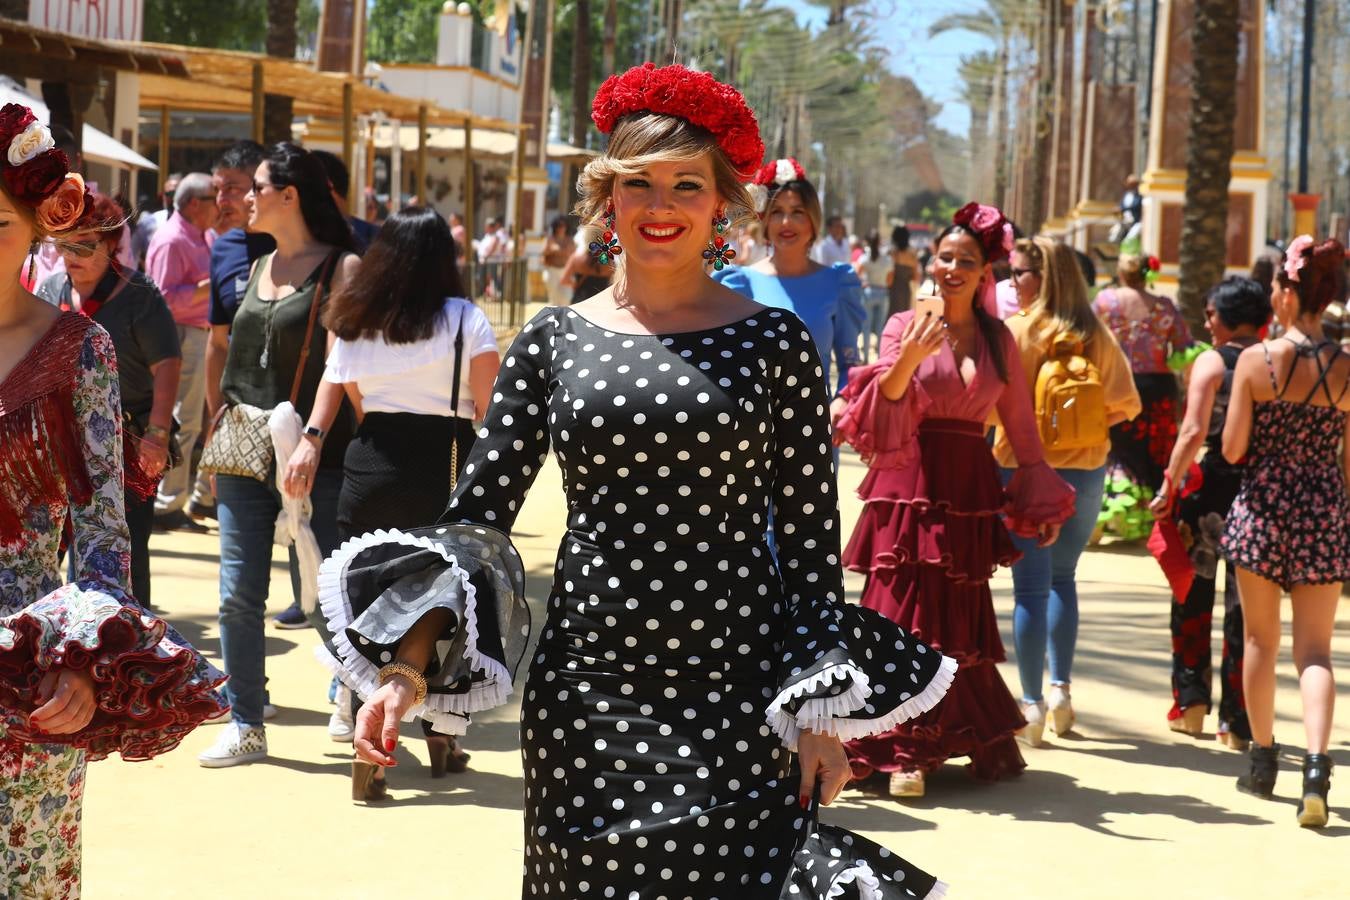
(932, 530)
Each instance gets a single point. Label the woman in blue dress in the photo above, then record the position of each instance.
(828, 299)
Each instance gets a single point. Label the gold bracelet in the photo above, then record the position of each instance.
(409, 672)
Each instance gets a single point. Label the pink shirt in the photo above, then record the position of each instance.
(179, 258)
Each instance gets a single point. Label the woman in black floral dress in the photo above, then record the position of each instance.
(1289, 527)
(684, 709)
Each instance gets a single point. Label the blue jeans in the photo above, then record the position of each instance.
(246, 510)
(1045, 617)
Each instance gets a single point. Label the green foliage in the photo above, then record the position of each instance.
(221, 24)
(403, 30)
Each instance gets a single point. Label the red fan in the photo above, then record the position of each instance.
(1168, 549)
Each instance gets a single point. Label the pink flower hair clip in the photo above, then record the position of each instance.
(1296, 257)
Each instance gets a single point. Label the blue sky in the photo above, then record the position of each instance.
(930, 62)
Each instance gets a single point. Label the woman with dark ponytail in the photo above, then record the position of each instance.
(932, 530)
(1289, 527)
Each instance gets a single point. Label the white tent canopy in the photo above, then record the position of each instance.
(97, 146)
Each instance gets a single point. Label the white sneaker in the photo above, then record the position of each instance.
(1061, 709)
(269, 713)
(341, 726)
(1034, 713)
(237, 744)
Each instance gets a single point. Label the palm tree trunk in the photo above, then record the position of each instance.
(610, 37)
(1047, 58)
(281, 42)
(581, 73)
(1209, 154)
(1001, 126)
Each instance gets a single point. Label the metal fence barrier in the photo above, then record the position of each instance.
(500, 288)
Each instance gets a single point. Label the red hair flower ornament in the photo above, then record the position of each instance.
(990, 227)
(35, 173)
(771, 176)
(696, 97)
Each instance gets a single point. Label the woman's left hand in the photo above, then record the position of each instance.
(67, 698)
(823, 761)
(300, 469)
(837, 407)
(1047, 534)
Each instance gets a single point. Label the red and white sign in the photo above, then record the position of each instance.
(97, 19)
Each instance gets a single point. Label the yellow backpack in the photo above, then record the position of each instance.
(1070, 399)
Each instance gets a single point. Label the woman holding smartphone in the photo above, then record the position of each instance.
(932, 530)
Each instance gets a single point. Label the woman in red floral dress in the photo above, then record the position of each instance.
(932, 530)
(84, 670)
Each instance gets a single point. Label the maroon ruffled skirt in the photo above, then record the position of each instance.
(930, 536)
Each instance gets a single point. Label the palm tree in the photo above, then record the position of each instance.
(978, 75)
(281, 43)
(1209, 153)
(1003, 22)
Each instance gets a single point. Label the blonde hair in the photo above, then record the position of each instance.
(642, 139)
(1062, 306)
(1130, 270)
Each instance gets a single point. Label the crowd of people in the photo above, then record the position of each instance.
(696, 389)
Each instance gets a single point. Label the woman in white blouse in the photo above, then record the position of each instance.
(417, 361)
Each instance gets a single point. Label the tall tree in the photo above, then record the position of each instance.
(611, 35)
(1209, 153)
(281, 43)
(223, 24)
(581, 71)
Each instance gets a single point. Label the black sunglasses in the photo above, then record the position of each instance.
(82, 249)
(1018, 273)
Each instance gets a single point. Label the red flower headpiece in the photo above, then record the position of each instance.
(779, 172)
(35, 173)
(696, 97)
(990, 227)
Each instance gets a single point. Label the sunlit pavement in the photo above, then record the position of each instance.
(1120, 808)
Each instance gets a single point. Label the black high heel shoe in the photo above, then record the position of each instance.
(1265, 765)
(1312, 808)
(445, 755)
(367, 786)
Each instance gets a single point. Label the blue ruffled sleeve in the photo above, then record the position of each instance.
(850, 321)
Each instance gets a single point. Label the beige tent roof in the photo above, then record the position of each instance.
(485, 143)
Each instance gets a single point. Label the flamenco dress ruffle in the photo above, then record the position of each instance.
(931, 535)
(150, 686)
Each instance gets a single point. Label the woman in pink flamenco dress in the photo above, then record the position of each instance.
(933, 531)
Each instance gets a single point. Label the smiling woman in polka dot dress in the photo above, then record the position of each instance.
(683, 714)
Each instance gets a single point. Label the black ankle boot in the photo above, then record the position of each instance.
(1265, 765)
(1312, 808)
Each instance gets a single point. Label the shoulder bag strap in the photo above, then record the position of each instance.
(454, 401)
(324, 277)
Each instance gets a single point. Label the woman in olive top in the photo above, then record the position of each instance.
(1045, 617)
(292, 202)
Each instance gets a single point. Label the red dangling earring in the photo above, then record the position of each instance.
(32, 262)
(719, 252)
(605, 249)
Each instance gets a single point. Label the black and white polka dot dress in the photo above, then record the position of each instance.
(678, 661)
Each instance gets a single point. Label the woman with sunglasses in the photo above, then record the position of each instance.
(1058, 324)
(131, 309)
(267, 343)
(1236, 309)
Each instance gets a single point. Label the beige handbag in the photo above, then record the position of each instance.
(240, 441)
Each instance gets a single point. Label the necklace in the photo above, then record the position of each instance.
(265, 357)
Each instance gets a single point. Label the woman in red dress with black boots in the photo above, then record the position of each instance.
(932, 530)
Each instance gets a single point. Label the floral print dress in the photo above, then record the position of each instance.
(151, 687)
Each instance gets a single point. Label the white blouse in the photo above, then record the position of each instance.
(415, 377)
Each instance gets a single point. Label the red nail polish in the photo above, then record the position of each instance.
(389, 745)
(805, 801)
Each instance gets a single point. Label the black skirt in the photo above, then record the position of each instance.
(1143, 445)
(397, 471)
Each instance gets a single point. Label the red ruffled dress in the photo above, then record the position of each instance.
(932, 533)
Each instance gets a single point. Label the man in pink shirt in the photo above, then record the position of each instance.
(178, 261)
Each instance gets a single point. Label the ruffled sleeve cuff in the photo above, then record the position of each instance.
(1037, 496)
(151, 686)
(851, 672)
(377, 586)
(884, 432)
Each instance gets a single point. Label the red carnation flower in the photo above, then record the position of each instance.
(696, 97)
(990, 227)
(13, 120)
(1154, 264)
(35, 180)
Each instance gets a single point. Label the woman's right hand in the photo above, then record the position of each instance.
(921, 338)
(377, 722)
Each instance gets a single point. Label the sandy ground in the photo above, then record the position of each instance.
(1120, 808)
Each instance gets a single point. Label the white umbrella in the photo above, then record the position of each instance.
(293, 520)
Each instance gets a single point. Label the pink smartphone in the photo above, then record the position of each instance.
(931, 305)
